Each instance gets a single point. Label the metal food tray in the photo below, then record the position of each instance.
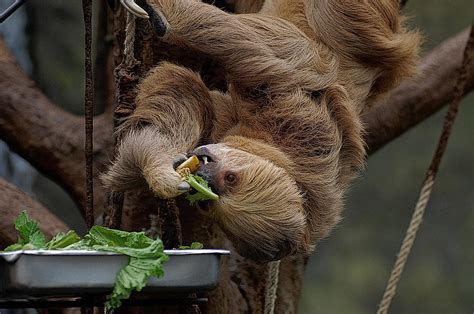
(45, 273)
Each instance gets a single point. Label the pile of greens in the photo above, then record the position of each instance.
(146, 255)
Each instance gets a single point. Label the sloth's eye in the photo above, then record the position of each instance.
(230, 178)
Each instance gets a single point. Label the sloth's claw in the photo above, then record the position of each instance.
(157, 20)
(184, 187)
(134, 8)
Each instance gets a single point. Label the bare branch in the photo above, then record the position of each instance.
(12, 202)
(419, 98)
(48, 137)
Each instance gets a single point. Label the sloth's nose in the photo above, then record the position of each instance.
(206, 172)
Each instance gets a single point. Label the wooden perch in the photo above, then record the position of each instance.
(417, 99)
(12, 202)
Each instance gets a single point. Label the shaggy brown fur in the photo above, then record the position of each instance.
(288, 132)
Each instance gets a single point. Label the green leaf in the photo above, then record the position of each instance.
(29, 231)
(146, 258)
(195, 197)
(99, 235)
(146, 255)
(62, 240)
(134, 276)
(194, 246)
(30, 235)
(203, 191)
(13, 247)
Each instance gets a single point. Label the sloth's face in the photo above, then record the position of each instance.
(260, 206)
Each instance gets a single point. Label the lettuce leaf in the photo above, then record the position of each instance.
(146, 255)
(134, 276)
(193, 246)
(62, 240)
(203, 191)
(30, 235)
(146, 258)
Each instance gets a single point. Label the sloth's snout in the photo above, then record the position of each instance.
(213, 157)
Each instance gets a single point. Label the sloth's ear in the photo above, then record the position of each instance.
(157, 20)
(343, 112)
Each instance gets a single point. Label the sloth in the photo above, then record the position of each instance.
(286, 139)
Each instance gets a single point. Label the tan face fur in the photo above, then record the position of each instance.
(264, 226)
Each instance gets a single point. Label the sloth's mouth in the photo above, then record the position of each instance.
(204, 155)
(204, 206)
(208, 167)
(204, 159)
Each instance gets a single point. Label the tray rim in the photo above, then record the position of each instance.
(13, 287)
(14, 255)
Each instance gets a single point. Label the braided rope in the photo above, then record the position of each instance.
(428, 183)
(116, 199)
(129, 43)
(272, 286)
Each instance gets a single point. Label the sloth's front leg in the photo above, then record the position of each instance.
(240, 43)
(173, 115)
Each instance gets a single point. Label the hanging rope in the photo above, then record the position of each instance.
(429, 180)
(126, 77)
(89, 113)
(272, 286)
(129, 43)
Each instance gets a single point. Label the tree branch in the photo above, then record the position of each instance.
(50, 138)
(12, 202)
(417, 99)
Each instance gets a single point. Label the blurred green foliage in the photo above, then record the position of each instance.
(348, 271)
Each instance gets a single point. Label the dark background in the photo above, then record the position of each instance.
(348, 271)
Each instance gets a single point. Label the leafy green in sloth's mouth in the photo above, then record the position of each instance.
(203, 191)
